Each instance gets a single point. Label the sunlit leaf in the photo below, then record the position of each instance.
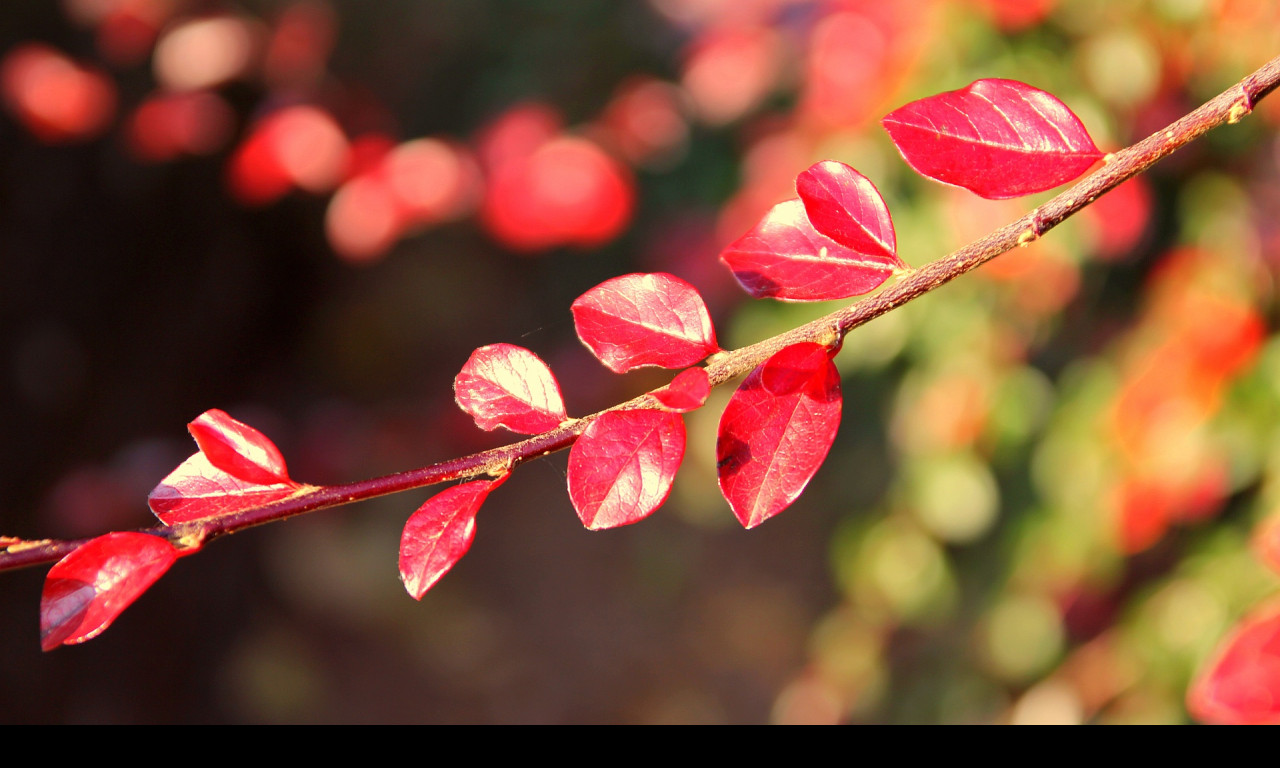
(503, 385)
(845, 206)
(1241, 683)
(776, 431)
(86, 590)
(437, 535)
(198, 490)
(238, 449)
(686, 392)
(644, 319)
(622, 467)
(784, 257)
(997, 138)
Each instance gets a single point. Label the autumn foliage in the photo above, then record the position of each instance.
(1158, 455)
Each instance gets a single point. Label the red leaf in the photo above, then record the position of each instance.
(997, 138)
(776, 431)
(845, 206)
(784, 257)
(503, 385)
(440, 533)
(197, 490)
(622, 467)
(1241, 684)
(86, 590)
(686, 392)
(645, 319)
(238, 449)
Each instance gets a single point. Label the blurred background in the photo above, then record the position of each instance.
(1053, 493)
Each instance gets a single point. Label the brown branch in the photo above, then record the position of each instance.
(1228, 107)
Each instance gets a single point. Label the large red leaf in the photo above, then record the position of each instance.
(622, 466)
(238, 449)
(86, 590)
(686, 392)
(437, 535)
(997, 138)
(197, 490)
(784, 257)
(1241, 683)
(845, 206)
(503, 385)
(645, 319)
(776, 431)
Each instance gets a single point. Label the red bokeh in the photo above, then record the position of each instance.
(298, 147)
(167, 126)
(567, 191)
(56, 99)
(1241, 684)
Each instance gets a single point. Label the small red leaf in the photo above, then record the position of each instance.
(784, 257)
(197, 490)
(845, 206)
(503, 385)
(1241, 684)
(996, 138)
(622, 467)
(776, 431)
(645, 319)
(686, 392)
(437, 536)
(86, 590)
(238, 449)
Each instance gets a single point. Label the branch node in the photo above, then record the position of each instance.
(833, 339)
(1028, 236)
(717, 357)
(1239, 108)
(20, 545)
(1109, 158)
